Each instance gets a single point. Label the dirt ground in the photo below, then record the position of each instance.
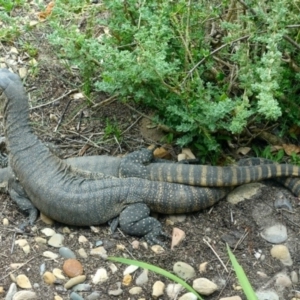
(75, 128)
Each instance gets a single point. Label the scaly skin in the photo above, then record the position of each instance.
(75, 197)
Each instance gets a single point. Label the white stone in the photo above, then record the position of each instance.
(184, 270)
(100, 276)
(56, 240)
(23, 281)
(24, 295)
(48, 231)
(130, 269)
(82, 253)
(142, 278)
(173, 289)
(204, 286)
(158, 289)
(275, 234)
(188, 296)
(50, 254)
(135, 290)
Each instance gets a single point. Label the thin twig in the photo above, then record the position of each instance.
(55, 100)
(62, 116)
(216, 254)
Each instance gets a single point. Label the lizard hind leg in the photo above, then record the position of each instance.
(135, 220)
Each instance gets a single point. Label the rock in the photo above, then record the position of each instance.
(267, 295)
(275, 234)
(282, 253)
(135, 244)
(188, 152)
(72, 267)
(93, 296)
(75, 296)
(282, 281)
(173, 289)
(82, 287)
(58, 298)
(11, 291)
(99, 251)
(204, 286)
(66, 252)
(135, 290)
(158, 289)
(82, 253)
(24, 295)
(49, 278)
(50, 255)
(73, 281)
(281, 202)
(23, 282)
(203, 267)
(24, 245)
(184, 270)
(118, 291)
(100, 276)
(127, 279)
(5, 222)
(294, 277)
(58, 274)
(40, 240)
(46, 219)
(245, 191)
(130, 269)
(188, 296)
(113, 268)
(16, 266)
(178, 236)
(56, 240)
(157, 249)
(82, 239)
(177, 218)
(142, 278)
(48, 231)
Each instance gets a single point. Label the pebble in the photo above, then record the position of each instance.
(66, 230)
(82, 239)
(135, 244)
(16, 265)
(266, 295)
(118, 291)
(245, 191)
(178, 236)
(73, 281)
(48, 231)
(40, 240)
(100, 276)
(58, 274)
(75, 296)
(130, 269)
(282, 282)
(24, 295)
(177, 218)
(42, 268)
(127, 279)
(135, 290)
(49, 278)
(50, 254)
(82, 253)
(46, 219)
(99, 243)
(66, 252)
(72, 267)
(56, 240)
(184, 270)
(5, 222)
(23, 244)
(93, 296)
(281, 202)
(113, 268)
(275, 234)
(142, 278)
(157, 249)
(158, 289)
(204, 286)
(99, 251)
(11, 291)
(58, 298)
(173, 289)
(188, 296)
(294, 277)
(203, 267)
(82, 287)
(282, 253)
(23, 281)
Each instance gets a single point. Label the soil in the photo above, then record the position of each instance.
(76, 127)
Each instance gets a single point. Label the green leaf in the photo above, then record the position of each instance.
(244, 282)
(157, 270)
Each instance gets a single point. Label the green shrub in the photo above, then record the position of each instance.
(206, 69)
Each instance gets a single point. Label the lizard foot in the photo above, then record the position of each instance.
(135, 220)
